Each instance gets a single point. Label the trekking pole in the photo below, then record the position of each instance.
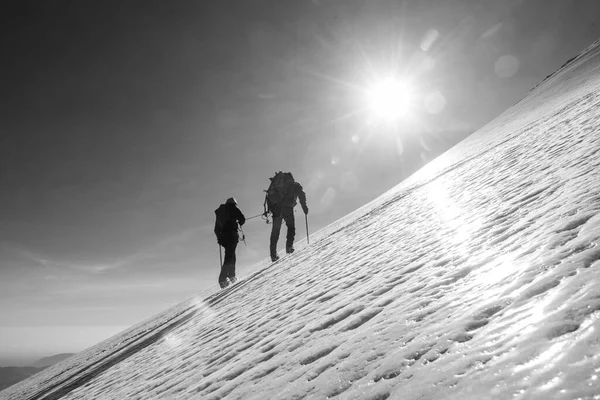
(220, 257)
(306, 219)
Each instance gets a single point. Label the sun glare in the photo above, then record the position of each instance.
(389, 99)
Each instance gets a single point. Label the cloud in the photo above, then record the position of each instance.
(97, 268)
(95, 289)
(61, 265)
(164, 246)
(492, 31)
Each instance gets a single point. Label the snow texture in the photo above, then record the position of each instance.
(476, 278)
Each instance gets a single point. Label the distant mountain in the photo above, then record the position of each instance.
(11, 375)
(48, 361)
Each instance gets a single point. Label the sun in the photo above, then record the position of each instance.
(389, 99)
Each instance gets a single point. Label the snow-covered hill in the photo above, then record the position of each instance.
(478, 277)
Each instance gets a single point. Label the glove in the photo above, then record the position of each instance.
(305, 209)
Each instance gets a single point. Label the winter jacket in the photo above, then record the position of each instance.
(226, 224)
(295, 194)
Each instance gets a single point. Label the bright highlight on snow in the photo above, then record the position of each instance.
(390, 99)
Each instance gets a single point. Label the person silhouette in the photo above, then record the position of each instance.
(228, 216)
(283, 210)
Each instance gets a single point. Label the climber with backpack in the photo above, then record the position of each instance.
(228, 216)
(280, 199)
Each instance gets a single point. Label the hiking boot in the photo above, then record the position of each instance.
(274, 257)
(224, 284)
(289, 249)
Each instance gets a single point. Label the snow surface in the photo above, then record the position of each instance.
(476, 278)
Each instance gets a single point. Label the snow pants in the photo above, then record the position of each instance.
(287, 215)
(228, 268)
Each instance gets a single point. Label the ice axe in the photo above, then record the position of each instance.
(243, 236)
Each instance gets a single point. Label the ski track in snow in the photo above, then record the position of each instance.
(477, 279)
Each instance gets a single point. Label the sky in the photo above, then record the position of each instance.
(488, 289)
(125, 125)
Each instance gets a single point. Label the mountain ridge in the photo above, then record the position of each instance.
(12, 374)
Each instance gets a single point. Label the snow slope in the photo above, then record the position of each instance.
(478, 277)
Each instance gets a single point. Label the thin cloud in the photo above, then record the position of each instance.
(103, 267)
(98, 268)
(492, 31)
(96, 289)
(162, 247)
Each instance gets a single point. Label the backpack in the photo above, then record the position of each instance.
(279, 189)
(226, 223)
